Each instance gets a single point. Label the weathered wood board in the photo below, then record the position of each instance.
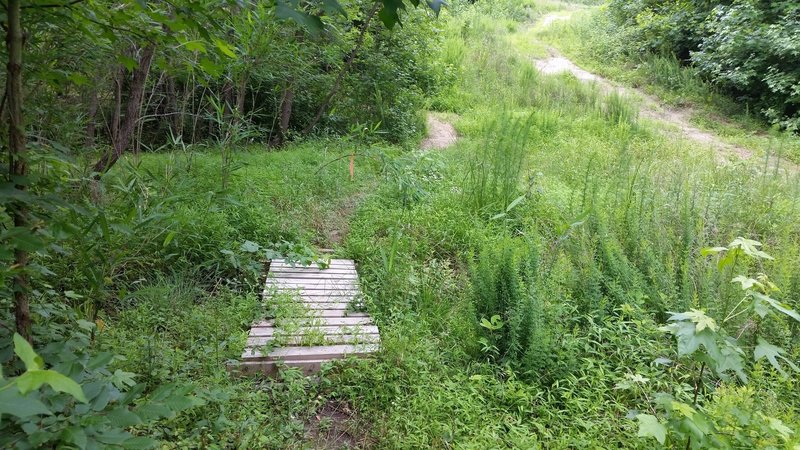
(321, 325)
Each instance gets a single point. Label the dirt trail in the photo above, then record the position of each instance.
(650, 106)
(332, 226)
(441, 134)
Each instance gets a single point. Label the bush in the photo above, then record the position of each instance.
(747, 49)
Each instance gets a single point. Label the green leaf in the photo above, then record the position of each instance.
(76, 436)
(128, 62)
(225, 48)
(195, 46)
(761, 302)
(150, 411)
(516, 202)
(712, 250)
(290, 10)
(746, 282)
(123, 417)
(121, 379)
(249, 247)
(15, 404)
(698, 317)
(772, 352)
(25, 352)
(780, 427)
(113, 437)
(650, 427)
(332, 7)
(749, 247)
(685, 410)
(139, 442)
(210, 67)
(389, 14)
(34, 379)
(169, 238)
(72, 295)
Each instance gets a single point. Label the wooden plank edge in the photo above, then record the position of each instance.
(313, 352)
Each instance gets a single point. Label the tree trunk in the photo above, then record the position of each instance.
(117, 115)
(91, 124)
(176, 117)
(227, 100)
(18, 168)
(132, 109)
(285, 116)
(241, 95)
(345, 69)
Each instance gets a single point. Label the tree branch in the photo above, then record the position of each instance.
(345, 69)
(53, 5)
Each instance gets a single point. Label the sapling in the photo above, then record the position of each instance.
(707, 350)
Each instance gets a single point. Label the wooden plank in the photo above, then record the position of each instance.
(323, 293)
(319, 352)
(289, 271)
(335, 313)
(314, 268)
(327, 329)
(333, 264)
(347, 307)
(296, 276)
(271, 367)
(332, 261)
(287, 283)
(319, 321)
(311, 298)
(335, 338)
(334, 306)
(320, 296)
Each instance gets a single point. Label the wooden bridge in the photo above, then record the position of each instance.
(314, 319)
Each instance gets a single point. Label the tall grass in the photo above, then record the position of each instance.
(494, 169)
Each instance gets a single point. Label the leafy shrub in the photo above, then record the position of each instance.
(508, 301)
(744, 48)
(87, 403)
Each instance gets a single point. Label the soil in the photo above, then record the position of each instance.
(334, 426)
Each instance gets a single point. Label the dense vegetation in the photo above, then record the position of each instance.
(561, 277)
(747, 49)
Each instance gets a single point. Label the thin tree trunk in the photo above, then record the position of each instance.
(227, 100)
(144, 107)
(285, 115)
(17, 163)
(176, 117)
(241, 94)
(91, 123)
(345, 69)
(116, 117)
(132, 109)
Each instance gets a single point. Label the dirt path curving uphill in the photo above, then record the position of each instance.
(677, 119)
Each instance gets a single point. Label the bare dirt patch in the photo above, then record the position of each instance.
(334, 426)
(548, 19)
(441, 134)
